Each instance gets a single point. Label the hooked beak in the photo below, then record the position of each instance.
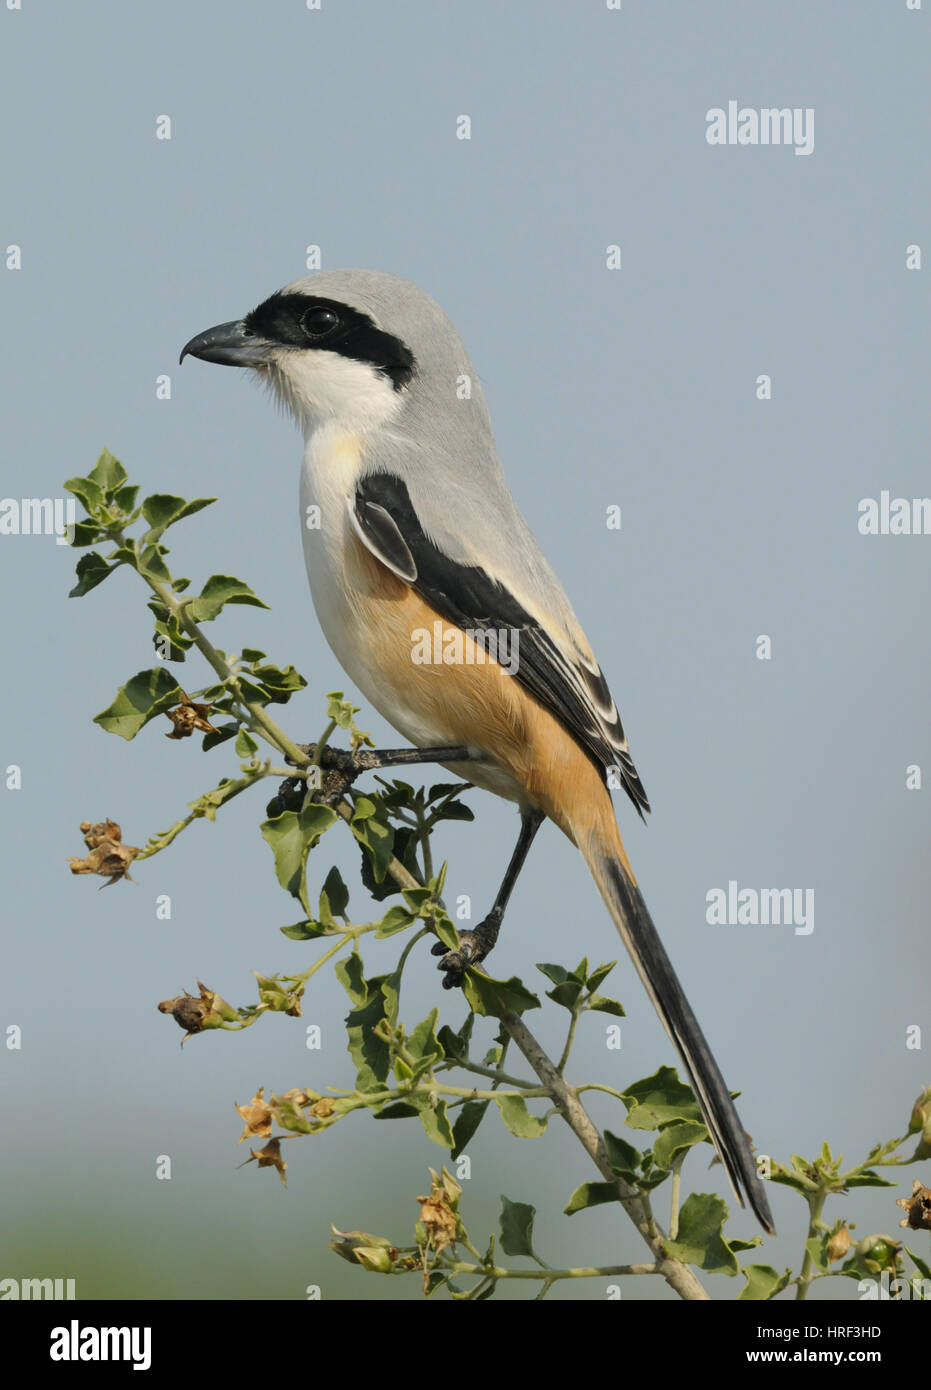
(233, 344)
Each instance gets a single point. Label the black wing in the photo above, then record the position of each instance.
(574, 692)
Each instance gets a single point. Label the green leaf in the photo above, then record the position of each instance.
(152, 564)
(88, 493)
(108, 473)
(599, 974)
(291, 836)
(92, 569)
(566, 994)
(370, 826)
(700, 1240)
(675, 1139)
(817, 1249)
(445, 931)
(369, 1051)
(279, 685)
(162, 510)
(557, 973)
(84, 533)
(601, 1004)
(246, 746)
(762, 1282)
(468, 1119)
(405, 849)
(219, 590)
(221, 734)
(516, 1222)
(147, 694)
(304, 931)
(591, 1194)
(334, 898)
(433, 1117)
(349, 973)
(867, 1178)
(423, 1042)
(623, 1157)
(456, 1045)
(496, 997)
(395, 919)
(659, 1099)
(514, 1113)
(924, 1269)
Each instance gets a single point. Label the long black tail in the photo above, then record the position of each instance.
(625, 903)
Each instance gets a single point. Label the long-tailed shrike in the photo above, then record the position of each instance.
(420, 534)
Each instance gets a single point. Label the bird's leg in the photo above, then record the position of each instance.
(344, 767)
(475, 945)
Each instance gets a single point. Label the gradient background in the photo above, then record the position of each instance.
(637, 387)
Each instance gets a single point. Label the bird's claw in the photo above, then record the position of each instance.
(474, 946)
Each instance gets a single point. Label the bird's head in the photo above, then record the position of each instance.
(327, 347)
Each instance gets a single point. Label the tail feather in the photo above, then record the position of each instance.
(625, 903)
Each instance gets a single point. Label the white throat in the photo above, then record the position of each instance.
(322, 389)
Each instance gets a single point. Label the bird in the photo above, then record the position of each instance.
(419, 533)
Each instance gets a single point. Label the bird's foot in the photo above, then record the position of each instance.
(474, 946)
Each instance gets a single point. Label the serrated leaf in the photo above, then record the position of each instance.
(496, 997)
(92, 569)
(514, 1113)
(675, 1139)
(700, 1240)
(762, 1282)
(591, 1194)
(145, 695)
(516, 1223)
(219, 590)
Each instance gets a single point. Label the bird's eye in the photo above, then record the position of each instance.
(318, 322)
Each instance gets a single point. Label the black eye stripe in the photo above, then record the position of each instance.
(284, 319)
